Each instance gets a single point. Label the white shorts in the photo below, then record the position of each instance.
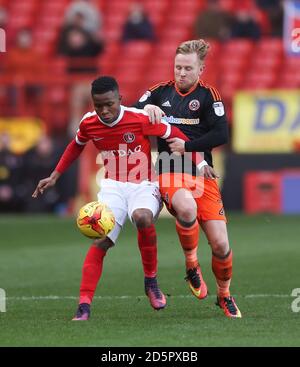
(125, 197)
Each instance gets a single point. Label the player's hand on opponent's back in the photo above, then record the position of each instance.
(155, 113)
(45, 183)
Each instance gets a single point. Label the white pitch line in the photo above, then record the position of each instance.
(52, 297)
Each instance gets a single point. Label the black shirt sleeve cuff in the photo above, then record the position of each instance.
(188, 146)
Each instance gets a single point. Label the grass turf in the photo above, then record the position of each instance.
(40, 270)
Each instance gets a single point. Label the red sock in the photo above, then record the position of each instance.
(188, 237)
(147, 245)
(222, 268)
(91, 273)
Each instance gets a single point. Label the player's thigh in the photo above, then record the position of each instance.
(183, 201)
(145, 195)
(177, 191)
(112, 195)
(114, 233)
(210, 204)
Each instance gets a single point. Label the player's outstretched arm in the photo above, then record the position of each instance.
(46, 183)
(70, 154)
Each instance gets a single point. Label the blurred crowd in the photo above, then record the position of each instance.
(80, 42)
(250, 20)
(19, 174)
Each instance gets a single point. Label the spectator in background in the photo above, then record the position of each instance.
(92, 19)
(39, 161)
(23, 61)
(275, 13)
(245, 25)
(213, 22)
(10, 177)
(82, 49)
(138, 25)
(3, 23)
(25, 66)
(3, 18)
(79, 46)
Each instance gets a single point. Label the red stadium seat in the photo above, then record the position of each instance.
(22, 21)
(259, 80)
(171, 34)
(227, 5)
(237, 47)
(291, 64)
(117, 7)
(155, 6)
(185, 19)
(266, 61)
(58, 66)
(270, 45)
(288, 79)
(184, 7)
(136, 49)
(232, 64)
(232, 77)
(153, 77)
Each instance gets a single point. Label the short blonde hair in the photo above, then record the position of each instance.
(200, 47)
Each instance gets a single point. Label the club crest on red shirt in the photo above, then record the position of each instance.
(129, 137)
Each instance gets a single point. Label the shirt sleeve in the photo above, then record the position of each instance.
(74, 149)
(149, 97)
(213, 113)
(71, 153)
(81, 137)
(166, 131)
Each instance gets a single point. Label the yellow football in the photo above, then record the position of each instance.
(95, 220)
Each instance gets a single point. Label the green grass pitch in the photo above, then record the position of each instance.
(40, 271)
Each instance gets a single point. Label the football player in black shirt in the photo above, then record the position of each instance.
(197, 109)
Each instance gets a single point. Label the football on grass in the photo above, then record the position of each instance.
(95, 220)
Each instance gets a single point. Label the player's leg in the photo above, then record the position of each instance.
(147, 240)
(93, 263)
(91, 274)
(216, 234)
(213, 223)
(144, 205)
(187, 228)
(181, 203)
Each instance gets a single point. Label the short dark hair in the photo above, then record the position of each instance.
(104, 84)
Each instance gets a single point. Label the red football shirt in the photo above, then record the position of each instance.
(124, 144)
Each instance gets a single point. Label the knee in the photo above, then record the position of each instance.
(104, 244)
(142, 218)
(186, 212)
(220, 247)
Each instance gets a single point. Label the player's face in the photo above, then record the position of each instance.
(187, 69)
(107, 106)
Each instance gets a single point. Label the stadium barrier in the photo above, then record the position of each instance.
(272, 192)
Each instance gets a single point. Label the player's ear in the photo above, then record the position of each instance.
(120, 98)
(202, 67)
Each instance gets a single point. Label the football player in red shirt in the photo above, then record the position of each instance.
(196, 109)
(130, 186)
